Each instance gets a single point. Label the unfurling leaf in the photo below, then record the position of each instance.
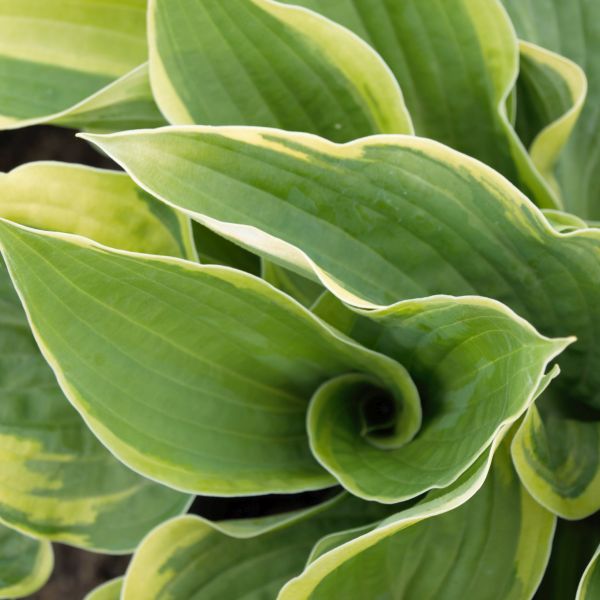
(200, 376)
(385, 218)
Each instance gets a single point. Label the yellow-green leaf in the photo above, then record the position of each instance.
(56, 480)
(589, 588)
(111, 590)
(105, 206)
(127, 103)
(54, 55)
(191, 557)
(121, 331)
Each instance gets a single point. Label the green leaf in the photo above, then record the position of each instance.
(571, 29)
(557, 457)
(103, 205)
(111, 590)
(564, 222)
(56, 480)
(189, 557)
(589, 588)
(305, 290)
(378, 220)
(551, 91)
(54, 55)
(25, 563)
(222, 364)
(258, 62)
(127, 103)
(386, 218)
(236, 419)
(456, 62)
(477, 368)
(443, 543)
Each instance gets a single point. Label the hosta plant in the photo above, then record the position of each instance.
(354, 249)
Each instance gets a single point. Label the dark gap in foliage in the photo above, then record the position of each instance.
(218, 509)
(44, 142)
(555, 402)
(378, 411)
(78, 571)
(573, 547)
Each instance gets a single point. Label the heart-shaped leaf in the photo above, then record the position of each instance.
(223, 364)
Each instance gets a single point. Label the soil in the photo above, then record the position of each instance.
(77, 571)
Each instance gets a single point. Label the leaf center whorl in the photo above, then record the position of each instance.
(359, 413)
(378, 411)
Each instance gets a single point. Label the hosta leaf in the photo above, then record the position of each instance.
(432, 551)
(589, 588)
(126, 103)
(456, 62)
(111, 590)
(386, 218)
(564, 222)
(434, 503)
(571, 29)
(236, 420)
(25, 563)
(54, 55)
(551, 91)
(557, 457)
(257, 62)
(222, 364)
(306, 291)
(476, 368)
(190, 558)
(103, 205)
(56, 480)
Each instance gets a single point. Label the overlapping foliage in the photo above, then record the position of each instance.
(354, 245)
